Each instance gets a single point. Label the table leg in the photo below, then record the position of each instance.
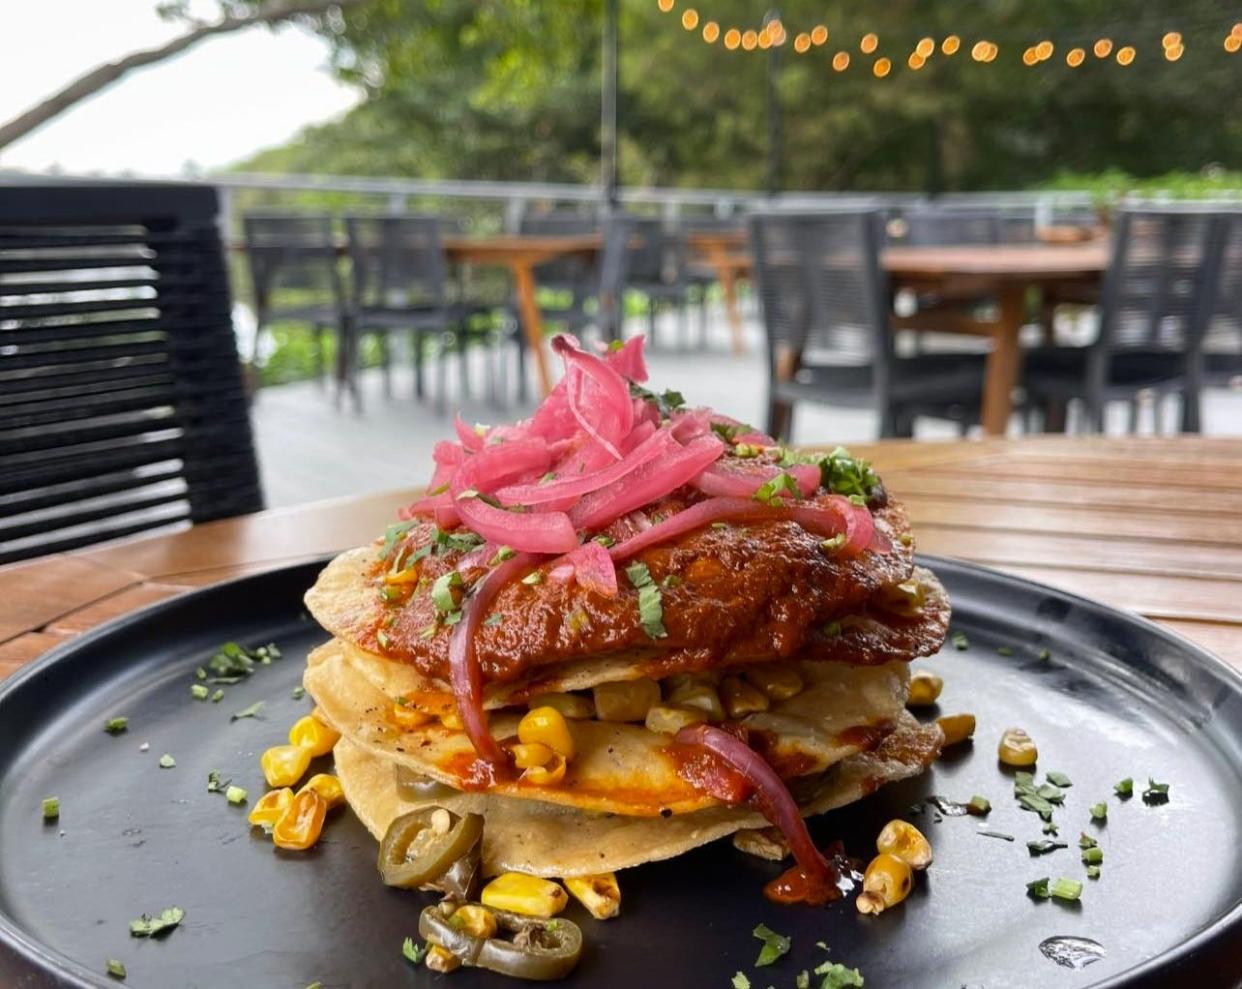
(728, 285)
(532, 321)
(1001, 375)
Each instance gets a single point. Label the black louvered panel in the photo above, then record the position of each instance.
(121, 400)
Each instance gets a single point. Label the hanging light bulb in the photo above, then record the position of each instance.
(1102, 48)
(732, 38)
(951, 44)
(841, 61)
(869, 43)
(1125, 55)
(925, 48)
(882, 67)
(711, 31)
(819, 35)
(1075, 57)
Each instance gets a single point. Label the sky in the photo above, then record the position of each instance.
(213, 105)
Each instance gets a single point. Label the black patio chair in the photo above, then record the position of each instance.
(122, 406)
(1158, 295)
(697, 275)
(827, 325)
(399, 283)
(654, 269)
(1222, 343)
(295, 276)
(573, 277)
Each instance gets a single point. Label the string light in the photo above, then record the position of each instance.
(951, 44)
(1043, 51)
(665, 5)
(1075, 57)
(1103, 48)
(1174, 52)
(750, 39)
(690, 19)
(732, 38)
(776, 31)
(916, 61)
(882, 67)
(841, 61)
(925, 49)
(1029, 57)
(802, 43)
(1125, 55)
(1233, 43)
(711, 31)
(765, 39)
(819, 35)
(1171, 40)
(869, 43)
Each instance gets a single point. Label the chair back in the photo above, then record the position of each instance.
(396, 262)
(938, 226)
(822, 291)
(565, 272)
(1224, 330)
(122, 406)
(295, 253)
(612, 273)
(651, 252)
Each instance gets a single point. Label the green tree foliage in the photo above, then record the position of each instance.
(509, 89)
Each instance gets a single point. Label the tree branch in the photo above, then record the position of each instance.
(104, 75)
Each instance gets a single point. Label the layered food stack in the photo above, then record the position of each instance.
(624, 628)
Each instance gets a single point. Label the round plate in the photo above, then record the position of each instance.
(1117, 698)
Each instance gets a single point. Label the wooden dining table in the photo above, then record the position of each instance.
(1001, 271)
(1153, 526)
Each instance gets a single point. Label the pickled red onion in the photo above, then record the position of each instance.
(591, 566)
(608, 415)
(742, 478)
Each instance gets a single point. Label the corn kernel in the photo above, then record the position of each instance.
(601, 894)
(451, 719)
(311, 733)
(778, 682)
(527, 895)
(1017, 748)
(300, 825)
(570, 705)
(270, 807)
(886, 883)
(440, 959)
(328, 787)
(625, 700)
(284, 765)
(907, 842)
(474, 919)
(924, 689)
(764, 843)
(406, 716)
(741, 698)
(547, 726)
(669, 719)
(956, 727)
(534, 754)
(700, 696)
(546, 775)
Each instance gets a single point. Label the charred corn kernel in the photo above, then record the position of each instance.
(886, 883)
(301, 823)
(924, 689)
(546, 725)
(956, 727)
(1017, 748)
(440, 959)
(534, 754)
(328, 787)
(741, 698)
(668, 719)
(779, 683)
(906, 842)
(599, 894)
(527, 895)
(698, 696)
(548, 774)
(311, 733)
(705, 678)
(625, 700)
(474, 919)
(451, 719)
(271, 807)
(284, 765)
(405, 716)
(570, 705)
(764, 843)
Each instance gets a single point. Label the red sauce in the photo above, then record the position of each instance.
(709, 774)
(794, 885)
(473, 773)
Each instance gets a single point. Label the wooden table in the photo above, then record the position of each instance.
(1150, 525)
(723, 251)
(1004, 271)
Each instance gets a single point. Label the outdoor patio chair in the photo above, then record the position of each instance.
(655, 271)
(697, 275)
(827, 325)
(1222, 344)
(295, 276)
(573, 277)
(399, 283)
(1158, 295)
(122, 407)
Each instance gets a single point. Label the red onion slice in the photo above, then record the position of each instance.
(770, 794)
(591, 566)
(628, 360)
(607, 415)
(735, 478)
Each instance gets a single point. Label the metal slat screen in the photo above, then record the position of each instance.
(122, 406)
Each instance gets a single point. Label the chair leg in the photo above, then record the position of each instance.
(1056, 415)
(416, 341)
(463, 362)
(386, 363)
(1133, 408)
(683, 323)
(651, 318)
(317, 335)
(780, 419)
(522, 392)
(703, 318)
(441, 399)
(1192, 410)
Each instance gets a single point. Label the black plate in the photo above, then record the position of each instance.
(1118, 698)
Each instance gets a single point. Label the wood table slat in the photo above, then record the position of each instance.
(113, 606)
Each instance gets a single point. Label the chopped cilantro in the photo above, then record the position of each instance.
(452, 618)
(979, 806)
(834, 544)
(837, 976)
(502, 553)
(802, 980)
(1093, 872)
(1099, 812)
(495, 618)
(394, 534)
(774, 945)
(666, 402)
(650, 606)
(167, 761)
(413, 952)
(381, 637)
(832, 630)
(198, 692)
(1045, 654)
(549, 476)
(442, 591)
(605, 541)
(200, 674)
(1038, 889)
(1086, 841)
(427, 631)
(739, 980)
(1156, 793)
(115, 969)
(1004, 651)
(1065, 889)
(1059, 779)
(51, 808)
(247, 712)
(747, 450)
(1093, 855)
(782, 484)
(983, 833)
(214, 785)
(1050, 828)
(114, 726)
(298, 692)
(1124, 789)
(217, 695)
(1044, 847)
(533, 578)
(235, 795)
(147, 926)
(960, 642)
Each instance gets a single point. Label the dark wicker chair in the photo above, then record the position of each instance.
(122, 407)
(295, 276)
(1222, 344)
(1157, 298)
(826, 316)
(573, 277)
